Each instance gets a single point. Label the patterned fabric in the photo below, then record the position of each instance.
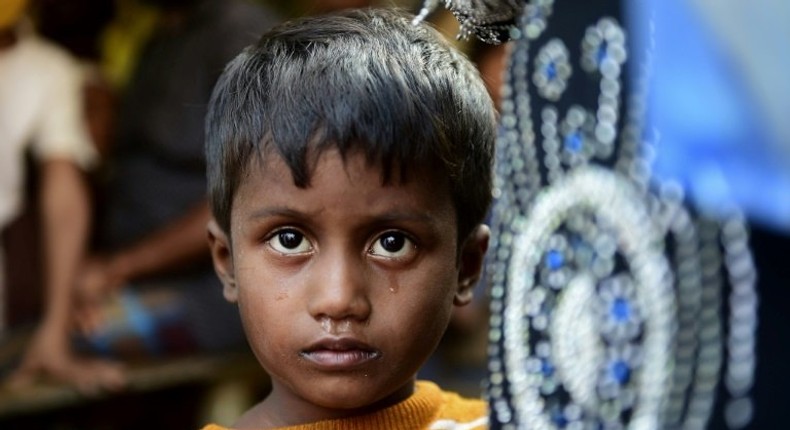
(489, 20)
(607, 282)
(428, 408)
(151, 322)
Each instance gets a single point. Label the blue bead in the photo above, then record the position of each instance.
(620, 371)
(554, 259)
(546, 367)
(620, 310)
(573, 142)
(602, 52)
(551, 71)
(559, 419)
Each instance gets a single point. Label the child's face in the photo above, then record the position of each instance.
(344, 287)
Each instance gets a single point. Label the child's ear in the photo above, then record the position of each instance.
(219, 244)
(471, 261)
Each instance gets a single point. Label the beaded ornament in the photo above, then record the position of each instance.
(615, 303)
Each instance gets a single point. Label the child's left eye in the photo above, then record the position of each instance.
(392, 244)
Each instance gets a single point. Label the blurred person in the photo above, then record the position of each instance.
(148, 289)
(79, 27)
(41, 111)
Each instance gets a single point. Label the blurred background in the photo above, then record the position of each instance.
(721, 103)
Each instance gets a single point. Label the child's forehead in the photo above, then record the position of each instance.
(349, 184)
(392, 171)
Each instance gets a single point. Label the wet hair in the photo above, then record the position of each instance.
(360, 80)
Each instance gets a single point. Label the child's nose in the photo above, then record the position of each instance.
(338, 290)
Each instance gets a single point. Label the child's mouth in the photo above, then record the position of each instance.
(340, 353)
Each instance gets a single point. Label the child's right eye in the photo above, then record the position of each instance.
(289, 241)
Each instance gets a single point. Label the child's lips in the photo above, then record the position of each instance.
(340, 353)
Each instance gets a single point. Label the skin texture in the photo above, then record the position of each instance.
(344, 287)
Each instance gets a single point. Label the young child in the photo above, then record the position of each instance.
(349, 166)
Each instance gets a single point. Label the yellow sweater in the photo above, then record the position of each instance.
(428, 408)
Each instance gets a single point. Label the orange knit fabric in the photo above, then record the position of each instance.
(428, 408)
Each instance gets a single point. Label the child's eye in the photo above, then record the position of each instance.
(289, 241)
(392, 244)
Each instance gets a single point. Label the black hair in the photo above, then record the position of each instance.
(366, 80)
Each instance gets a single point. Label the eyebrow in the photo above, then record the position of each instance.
(279, 211)
(388, 216)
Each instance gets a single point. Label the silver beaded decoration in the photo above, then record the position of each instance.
(488, 20)
(607, 284)
(552, 70)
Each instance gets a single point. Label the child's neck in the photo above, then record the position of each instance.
(283, 408)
